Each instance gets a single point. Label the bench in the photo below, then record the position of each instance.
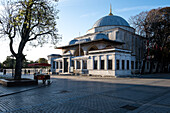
(43, 77)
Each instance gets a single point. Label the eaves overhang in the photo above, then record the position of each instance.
(93, 41)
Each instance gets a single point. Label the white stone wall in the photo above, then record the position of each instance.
(123, 56)
(112, 72)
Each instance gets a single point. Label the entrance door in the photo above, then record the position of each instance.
(65, 65)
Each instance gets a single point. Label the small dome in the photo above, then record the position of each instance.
(100, 36)
(83, 40)
(73, 41)
(111, 20)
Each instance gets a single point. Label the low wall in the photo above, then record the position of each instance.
(102, 72)
(27, 70)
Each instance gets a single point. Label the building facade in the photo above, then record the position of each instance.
(109, 48)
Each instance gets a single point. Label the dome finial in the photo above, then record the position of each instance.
(110, 14)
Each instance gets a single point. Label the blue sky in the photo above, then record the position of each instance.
(77, 16)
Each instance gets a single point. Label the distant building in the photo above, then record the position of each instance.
(51, 61)
(110, 48)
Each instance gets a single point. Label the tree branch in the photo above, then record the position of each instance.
(11, 47)
(39, 35)
(14, 32)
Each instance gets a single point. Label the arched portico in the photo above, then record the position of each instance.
(76, 53)
(91, 48)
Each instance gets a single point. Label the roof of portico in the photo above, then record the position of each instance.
(93, 41)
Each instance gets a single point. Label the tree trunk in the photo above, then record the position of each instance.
(151, 66)
(18, 67)
(157, 67)
(143, 67)
(143, 64)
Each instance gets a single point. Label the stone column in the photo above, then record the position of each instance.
(120, 63)
(55, 66)
(113, 62)
(99, 62)
(81, 64)
(75, 64)
(58, 65)
(69, 64)
(106, 62)
(62, 65)
(129, 64)
(89, 63)
(92, 62)
(125, 63)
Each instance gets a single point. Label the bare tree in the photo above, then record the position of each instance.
(154, 25)
(28, 21)
(139, 23)
(158, 22)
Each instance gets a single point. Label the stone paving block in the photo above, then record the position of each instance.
(156, 109)
(68, 85)
(96, 89)
(118, 111)
(165, 101)
(9, 90)
(138, 96)
(72, 96)
(124, 109)
(57, 108)
(14, 103)
(100, 103)
(19, 101)
(149, 89)
(68, 96)
(3, 89)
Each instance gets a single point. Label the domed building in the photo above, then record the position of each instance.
(109, 48)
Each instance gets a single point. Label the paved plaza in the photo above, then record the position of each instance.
(78, 94)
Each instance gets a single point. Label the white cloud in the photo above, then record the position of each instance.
(138, 8)
(1, 7)
(63, 1)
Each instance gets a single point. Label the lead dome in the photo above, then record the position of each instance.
(111, 20)
(73, 42)
(100, 36)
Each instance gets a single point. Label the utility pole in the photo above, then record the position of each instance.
(79, 44)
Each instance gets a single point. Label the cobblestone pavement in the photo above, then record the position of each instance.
(92, 95)
(12, 90)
